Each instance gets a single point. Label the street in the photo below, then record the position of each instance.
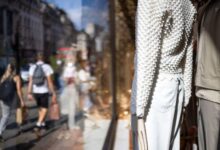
(27, 139)
(56, 136)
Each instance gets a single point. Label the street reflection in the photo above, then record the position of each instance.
(74, 38)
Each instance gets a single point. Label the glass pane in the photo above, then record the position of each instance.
(74, 37)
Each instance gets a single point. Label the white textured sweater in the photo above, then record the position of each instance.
(163, 44)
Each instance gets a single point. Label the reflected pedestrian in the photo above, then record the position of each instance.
(10, 86)
(40, 84)
(85, 86)
(60, 81)
(69, 98)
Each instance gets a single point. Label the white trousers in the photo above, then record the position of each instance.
(165, 113)
(69, 101)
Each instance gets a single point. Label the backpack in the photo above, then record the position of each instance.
(38, 76)
(8, 89)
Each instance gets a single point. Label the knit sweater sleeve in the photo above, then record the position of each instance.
(148, 44)
(188, 73)
(188, 68)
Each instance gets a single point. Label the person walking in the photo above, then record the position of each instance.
(40, 87)
(208, 76)
(69, 98)
(163, 72)
(85, 85)
(10, 86)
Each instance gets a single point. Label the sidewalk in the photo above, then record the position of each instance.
(122, 139)
(28, 138)
(94, 135)
(90, 137)
(61, 139)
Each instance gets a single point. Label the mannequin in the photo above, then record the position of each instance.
(208, 77)
(163, 72)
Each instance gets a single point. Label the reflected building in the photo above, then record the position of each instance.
(95, 17)
(22, 16)
(95, 12)
(59, 31)
(21, 28)
(95, 23)
(83, 44)
(30, 26)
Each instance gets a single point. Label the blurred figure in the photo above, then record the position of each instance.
(13, 82)
(69, 98)
(57, 66)
(40, 92)
(24, 72)
(60, 81)
(85, 86)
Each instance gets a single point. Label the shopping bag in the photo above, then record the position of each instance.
(19, 117)
(21, 114)
(54, 112)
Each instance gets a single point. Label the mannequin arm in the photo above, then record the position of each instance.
(188, 73)
(148, 45)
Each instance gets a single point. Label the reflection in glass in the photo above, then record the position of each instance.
(74, 37)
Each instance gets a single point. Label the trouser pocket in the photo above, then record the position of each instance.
(166, 92)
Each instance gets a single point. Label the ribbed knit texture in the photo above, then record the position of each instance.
(163, 44)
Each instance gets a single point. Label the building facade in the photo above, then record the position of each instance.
(21, 29)
(59, 31)
(27, 27)
(30, 24)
